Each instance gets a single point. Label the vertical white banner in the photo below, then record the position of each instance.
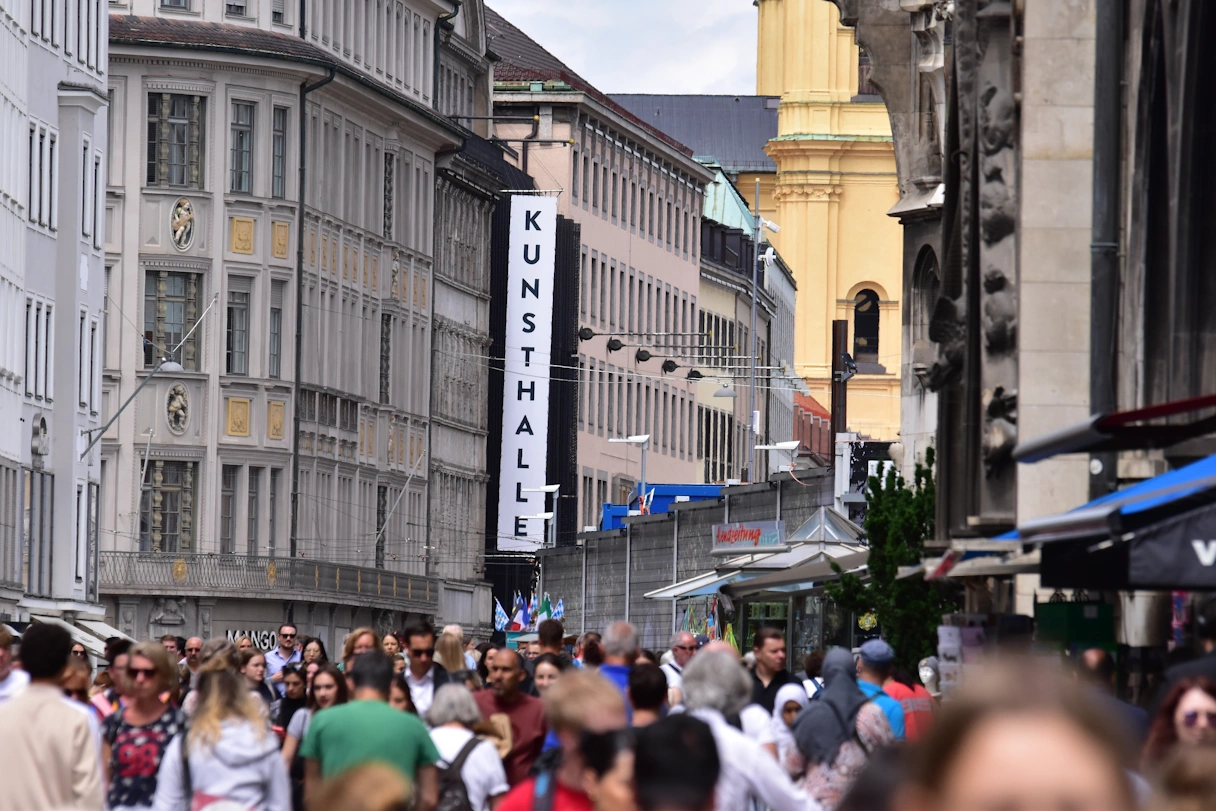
(526, 365)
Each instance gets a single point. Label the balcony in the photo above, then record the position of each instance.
(242, 576)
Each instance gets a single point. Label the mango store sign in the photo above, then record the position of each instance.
(262, 640)
(749, 536)
(526, 364)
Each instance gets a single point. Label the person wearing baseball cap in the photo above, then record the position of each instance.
(873, 669)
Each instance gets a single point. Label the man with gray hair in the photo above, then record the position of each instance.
(452, 717)
(683, 646)
(715, 686)
(620, 652)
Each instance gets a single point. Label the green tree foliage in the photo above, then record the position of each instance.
(899, 519)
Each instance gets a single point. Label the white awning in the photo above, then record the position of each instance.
(102, 630)
(816, 567)
(701, 585)
(91, 643)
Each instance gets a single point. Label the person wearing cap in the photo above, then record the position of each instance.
(874, 667)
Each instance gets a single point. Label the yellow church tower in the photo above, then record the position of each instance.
(835, 183)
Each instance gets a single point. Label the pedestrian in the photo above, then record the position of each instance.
(12, 679)
(194, 650)
(580, 704)
(1205, 665)
(169, 641)
(590, 650)
(470, 661)
(253, 668)
(550, 636)
(647, 694)
(487, 651)
(399, 695)
(328, 690)
(769, 674)
(1186, 781)
(295, 697)
(683, 646)
(368, 730)
(478, 771)
(874, 668)
(676, 765)
(285, 654)
(228, 755)
(424, 675)
(373, 787)
(313, 650)
(1186, 717)
(837, 731)
(717, 686)
(117, 658)
(400, 663)
(223, 654)
(914, 699)
(524, 714)
(77, 678)
(136, 736)
(791, 700)
(244, 642)
(812, 666)
(545, 671)
(1018, 739)
(449, 653)
(608, 764)
(360, 640)
(391, 644)
(48, 746)
(620, 652)
(1096, 671)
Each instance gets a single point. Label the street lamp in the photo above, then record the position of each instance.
(768, 258)
(642, 440)
(789, 446)
(165, 365)
(553, 489)
(540, 517)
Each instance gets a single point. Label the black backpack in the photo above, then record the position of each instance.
(453, 794)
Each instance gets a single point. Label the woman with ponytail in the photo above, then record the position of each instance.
(227, 754)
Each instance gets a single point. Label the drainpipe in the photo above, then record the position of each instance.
(628, 564)
(442, 21)
(1104, 245)
(305, 89)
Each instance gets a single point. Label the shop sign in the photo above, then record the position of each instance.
(526, 371)
(262, 640)
(749, 536)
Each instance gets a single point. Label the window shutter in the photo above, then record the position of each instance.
(276, 295)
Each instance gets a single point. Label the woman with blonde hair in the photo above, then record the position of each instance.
(360, 640)
(229, 753)
(449, 653)
(136, 735)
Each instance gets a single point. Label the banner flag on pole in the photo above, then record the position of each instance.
(501, 620)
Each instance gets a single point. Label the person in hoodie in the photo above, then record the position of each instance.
(230, 754)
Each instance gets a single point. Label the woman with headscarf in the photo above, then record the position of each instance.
(790, 701)
(837, 731)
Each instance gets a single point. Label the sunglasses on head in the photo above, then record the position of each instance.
(1191, 719)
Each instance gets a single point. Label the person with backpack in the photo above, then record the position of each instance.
(227, 757)
(471, 776)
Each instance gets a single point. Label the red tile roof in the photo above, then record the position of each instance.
(131, 30)
(522, 59)
(811, 405)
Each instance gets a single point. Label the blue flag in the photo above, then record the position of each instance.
(501, 620)
(559, 611)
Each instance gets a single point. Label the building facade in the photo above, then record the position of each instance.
(53, 141)
(271, 222)
(637, 195)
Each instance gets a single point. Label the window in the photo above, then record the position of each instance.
(865, 327)
(42, 176)
(166, 517)
(228, 510)
(255, 487)
(170, 310)
(237, 355)
(182, 4)
(278, 162)
(175, 139)
(273, 507)
(235, 8)
(40, 523)
(278, 11)
(242, 144)
(386, 345)
(39, 349)
(274, 367)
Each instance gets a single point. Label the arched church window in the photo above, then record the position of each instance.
(865, 327)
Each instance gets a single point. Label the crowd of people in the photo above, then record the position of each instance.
(428, 720)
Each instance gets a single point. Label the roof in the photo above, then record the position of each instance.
(731, 129)
(811, 405)
(724, 204)
(523, 59)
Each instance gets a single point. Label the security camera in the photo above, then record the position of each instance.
(770, 256)
(772, 226)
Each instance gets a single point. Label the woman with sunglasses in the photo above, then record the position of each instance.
(1187, 717)
(136, 736)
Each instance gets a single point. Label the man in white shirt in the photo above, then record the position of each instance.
(716, 685)
(683, 646)
(424, 676)
(285, 654)
(13, 680)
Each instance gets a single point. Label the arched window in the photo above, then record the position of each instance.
(865, 327)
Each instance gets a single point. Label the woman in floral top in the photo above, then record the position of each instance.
(134, 738)
(837, 732)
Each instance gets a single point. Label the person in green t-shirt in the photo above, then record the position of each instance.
(368, 730)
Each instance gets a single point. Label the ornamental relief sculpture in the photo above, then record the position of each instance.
(177, 408)
(181, 224)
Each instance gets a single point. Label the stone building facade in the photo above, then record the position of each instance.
(274, 177)
(53, 168)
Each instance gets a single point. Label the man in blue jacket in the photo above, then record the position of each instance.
(875, 665)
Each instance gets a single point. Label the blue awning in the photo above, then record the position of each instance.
(1102, 515)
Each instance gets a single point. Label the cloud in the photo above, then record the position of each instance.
(646, 46)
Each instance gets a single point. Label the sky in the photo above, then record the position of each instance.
(646, 46)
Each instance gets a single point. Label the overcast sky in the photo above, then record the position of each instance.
(646, 46)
